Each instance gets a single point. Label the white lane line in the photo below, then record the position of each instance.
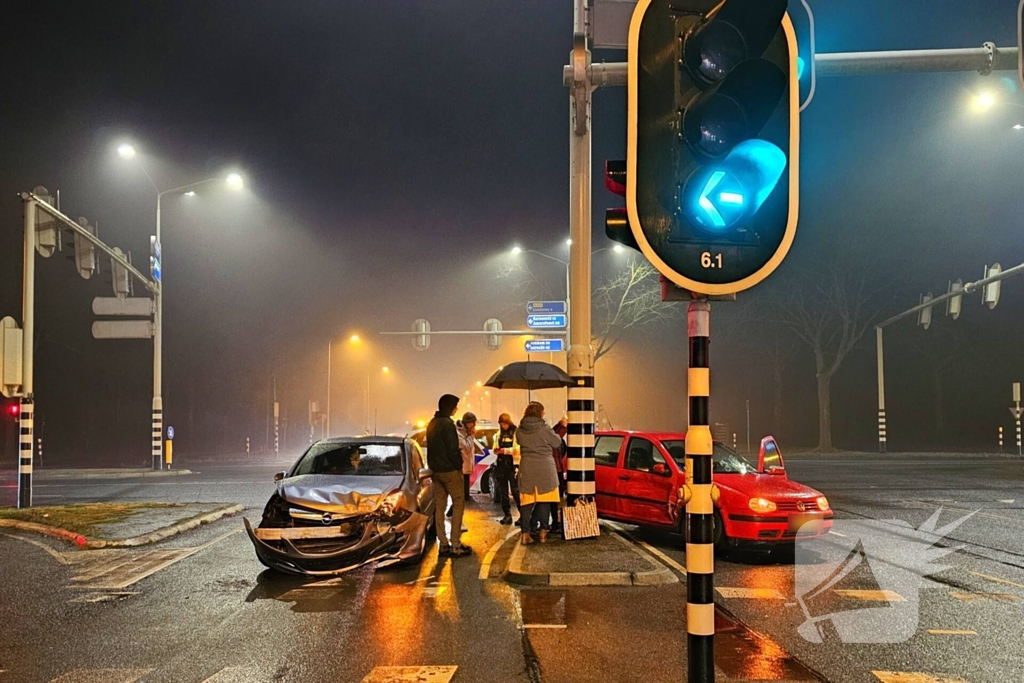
(649, 548)
(836, 533)
(57, 556)
(1008, 500)
(411, 674)
(485, 568)
(951, 632)
(749, 593)
(233, 674)
(996, 579)
(102, 676)
(914, 677)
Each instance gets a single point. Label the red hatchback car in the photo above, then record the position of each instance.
(639, 475)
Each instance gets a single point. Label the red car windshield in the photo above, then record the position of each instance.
(727, 461)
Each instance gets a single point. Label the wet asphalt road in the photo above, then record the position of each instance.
(218, 609)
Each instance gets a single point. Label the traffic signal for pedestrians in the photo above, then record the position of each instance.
(711, 175)
(616, 221)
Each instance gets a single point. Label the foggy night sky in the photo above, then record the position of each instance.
(395, 150)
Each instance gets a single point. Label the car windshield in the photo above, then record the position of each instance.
(727, 461)
(366, 459)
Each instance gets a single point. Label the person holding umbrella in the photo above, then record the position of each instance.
(538, 476)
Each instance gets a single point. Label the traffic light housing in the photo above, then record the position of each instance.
(711, 174)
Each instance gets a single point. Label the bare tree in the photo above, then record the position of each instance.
(829, 311)
(627, 302)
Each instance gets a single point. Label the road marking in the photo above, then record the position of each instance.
(102, 676)
(751, 593)
(979, 596)
(951, 632)
(872, 595)
(649, 548)
(836, 533)
(297, 594)
(996, 579)
(411, 674)
(57, 556)
(115, 569)
(485, 568)
(102, 597)
(914, 677)
(327, 583)
(1009, 500)
(233, 674)
(976, 512)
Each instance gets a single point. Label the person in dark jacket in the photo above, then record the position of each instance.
(444, 457)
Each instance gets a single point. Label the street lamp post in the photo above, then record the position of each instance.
(354, 339)
(234, 180)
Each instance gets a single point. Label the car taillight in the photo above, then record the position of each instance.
(822, 503)
(761, 505)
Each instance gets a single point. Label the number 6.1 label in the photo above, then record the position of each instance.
(709, 260)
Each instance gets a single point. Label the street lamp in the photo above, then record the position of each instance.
(354, 339)
(234, 180)
(984, 101)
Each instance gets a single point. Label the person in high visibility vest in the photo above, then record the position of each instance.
(507, 451)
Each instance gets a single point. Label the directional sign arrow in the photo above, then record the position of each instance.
(713, 203)
(1016, 412)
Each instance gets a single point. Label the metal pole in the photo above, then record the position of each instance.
(700, 510)
(28, 321)
(580, 356)
(277, 414)
(158, 348)
(880, 359)
(366, 404)
(329, 387)
(748, 426)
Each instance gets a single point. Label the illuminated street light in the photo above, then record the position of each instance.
(479, 384)
(984, 101)
(126, 151)
(516, 251)
(618, 248)
(190, 193)
(568, 242)
(235, 181)
(1018, 127)
(354, 339)
(385, 369)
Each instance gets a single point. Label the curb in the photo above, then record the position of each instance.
(70, 474)
(168, 531)
(52, 531)
(152, 537)
(658, 576)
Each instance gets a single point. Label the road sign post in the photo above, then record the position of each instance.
(1017, 411)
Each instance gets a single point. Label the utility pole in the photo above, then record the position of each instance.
(580, 357)
(28, 306)
(277, 418)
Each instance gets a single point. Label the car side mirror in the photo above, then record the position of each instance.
(278, 476)
(777, 471)
(659, 468)
(426, 473)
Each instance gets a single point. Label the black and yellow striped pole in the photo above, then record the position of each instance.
(700, 562)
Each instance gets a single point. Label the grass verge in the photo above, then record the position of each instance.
(83, 518)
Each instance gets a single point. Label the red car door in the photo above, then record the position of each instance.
(607, 451)
(645, 484)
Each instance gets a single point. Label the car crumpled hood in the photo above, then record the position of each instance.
(338, 494)
(769, 486)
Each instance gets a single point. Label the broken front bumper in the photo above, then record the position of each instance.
(288, 549)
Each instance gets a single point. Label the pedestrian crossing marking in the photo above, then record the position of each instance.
(951, 632)
(114, 572)
(872, 595)
(996, 579)
(750, 593)
(914, 677)
(234, 674)
(411, 674)
(980, 596)
(102, 676)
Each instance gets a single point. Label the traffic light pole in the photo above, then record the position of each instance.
(580, 358)
(158, 348)
(700, 511)
(28, 322)
(968, 288)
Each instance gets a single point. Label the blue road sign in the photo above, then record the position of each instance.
(170, 432)
(155, 269)
(545, 346)
(547, 322)
(545, 307)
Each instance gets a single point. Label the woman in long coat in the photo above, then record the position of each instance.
(538, 476)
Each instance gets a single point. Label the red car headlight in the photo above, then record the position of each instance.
(822, 503)
(761, 505)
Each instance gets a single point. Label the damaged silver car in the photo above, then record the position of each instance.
(345, 503)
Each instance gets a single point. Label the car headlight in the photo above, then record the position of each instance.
(761, 505)
(822, 503)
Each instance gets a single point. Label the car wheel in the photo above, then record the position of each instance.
(718, 536)
(492, 489)
(486, 483)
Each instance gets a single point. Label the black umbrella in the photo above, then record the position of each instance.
(530, 375)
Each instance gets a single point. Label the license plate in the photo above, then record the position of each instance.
(807, 523)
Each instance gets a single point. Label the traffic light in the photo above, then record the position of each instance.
(616, 221)
(711, 175)
(13, 411)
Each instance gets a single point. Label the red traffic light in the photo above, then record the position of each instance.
(13, 410)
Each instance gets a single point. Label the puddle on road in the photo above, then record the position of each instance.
(543, 608)
(741, 653)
